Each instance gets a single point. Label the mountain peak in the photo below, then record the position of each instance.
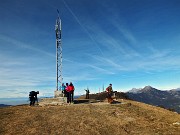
(148, 87)
(140, 90)
(134, 90)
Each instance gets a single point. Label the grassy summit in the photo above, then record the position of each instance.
(128, 118)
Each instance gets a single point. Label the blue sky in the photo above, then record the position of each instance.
(129, 43)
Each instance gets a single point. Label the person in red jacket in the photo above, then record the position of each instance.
(71, 92)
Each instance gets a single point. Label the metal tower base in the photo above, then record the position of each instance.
(58, 93)
(53, 101)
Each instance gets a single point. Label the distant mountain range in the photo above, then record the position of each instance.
(169, 99)
(3, 105)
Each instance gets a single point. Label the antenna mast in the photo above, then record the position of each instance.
(58, 53)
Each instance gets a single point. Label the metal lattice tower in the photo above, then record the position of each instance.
(58, 53)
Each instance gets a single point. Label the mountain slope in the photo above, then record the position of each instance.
(127, 118)
(103, 96)
(168, 99)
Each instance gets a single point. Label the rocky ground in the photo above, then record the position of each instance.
(101, 118)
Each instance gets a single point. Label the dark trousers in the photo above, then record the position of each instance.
(68, 97)
(32, 101)
(87, 95)
(65, 93)
(109, 94)
(72, 96)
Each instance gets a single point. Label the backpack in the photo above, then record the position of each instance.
(31, 93)
(107, 89)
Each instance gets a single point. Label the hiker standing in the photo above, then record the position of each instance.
(67, 92)
(71, 92)
(33, 97)
(109, 91)
(87, 93)
(64, 90)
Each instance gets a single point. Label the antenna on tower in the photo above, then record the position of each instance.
(58, 53)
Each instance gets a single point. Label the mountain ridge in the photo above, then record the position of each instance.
(168, 99)
(139, 90)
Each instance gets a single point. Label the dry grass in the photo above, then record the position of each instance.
(131, 118)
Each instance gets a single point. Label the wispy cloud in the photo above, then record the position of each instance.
(23, 45)
(102, 70)
(108, 63)
(86, 30)
(24, 73)
(125, 32)
(81, 77)
(111, 44)
(158, 60)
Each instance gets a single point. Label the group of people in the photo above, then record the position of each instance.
(68, 91)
